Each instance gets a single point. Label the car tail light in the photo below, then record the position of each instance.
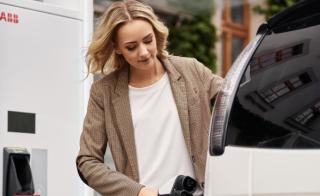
(225, 98)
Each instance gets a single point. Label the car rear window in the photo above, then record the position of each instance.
(277, 104)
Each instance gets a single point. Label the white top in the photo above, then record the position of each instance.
(161, 150)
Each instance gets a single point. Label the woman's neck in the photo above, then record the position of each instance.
(142, 78)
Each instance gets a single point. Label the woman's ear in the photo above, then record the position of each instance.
(116, 48)
(117, 51)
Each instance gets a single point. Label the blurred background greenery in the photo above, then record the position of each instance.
(194, 37)
(274, 7)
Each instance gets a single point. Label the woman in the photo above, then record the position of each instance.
(152, 109)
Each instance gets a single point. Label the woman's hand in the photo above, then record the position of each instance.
(148, 192)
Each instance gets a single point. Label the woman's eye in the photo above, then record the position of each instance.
(131, 48)
(148, 41)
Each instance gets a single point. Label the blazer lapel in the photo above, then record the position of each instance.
(122, 111)
(178, 87)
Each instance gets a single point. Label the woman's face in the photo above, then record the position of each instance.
(136, 42)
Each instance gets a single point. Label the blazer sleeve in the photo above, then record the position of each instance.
(90, 160)
(211, 82)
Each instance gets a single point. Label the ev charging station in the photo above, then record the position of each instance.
(43, 94)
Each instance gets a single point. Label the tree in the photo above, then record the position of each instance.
(194, 37)
(192, 6)
(274, 7)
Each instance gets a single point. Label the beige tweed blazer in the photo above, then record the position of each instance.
(108, 120)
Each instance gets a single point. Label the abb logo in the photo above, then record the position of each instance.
(9, 17)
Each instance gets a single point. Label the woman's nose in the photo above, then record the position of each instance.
(143, 51)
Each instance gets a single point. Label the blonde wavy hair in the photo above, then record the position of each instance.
(101, 56)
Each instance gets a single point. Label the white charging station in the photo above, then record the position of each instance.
(42, 71)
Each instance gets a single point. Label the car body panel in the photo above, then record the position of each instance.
(252, 171)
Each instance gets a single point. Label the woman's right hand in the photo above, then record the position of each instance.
(148, 192)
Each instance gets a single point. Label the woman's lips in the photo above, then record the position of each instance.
(144, 60)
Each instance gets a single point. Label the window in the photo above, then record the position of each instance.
(307, 119)
(279, 90)
(266, 60)
(235, 30)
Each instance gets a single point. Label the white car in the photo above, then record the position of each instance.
(265, 131)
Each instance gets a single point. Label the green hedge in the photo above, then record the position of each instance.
(274, 7)
(194, 37)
